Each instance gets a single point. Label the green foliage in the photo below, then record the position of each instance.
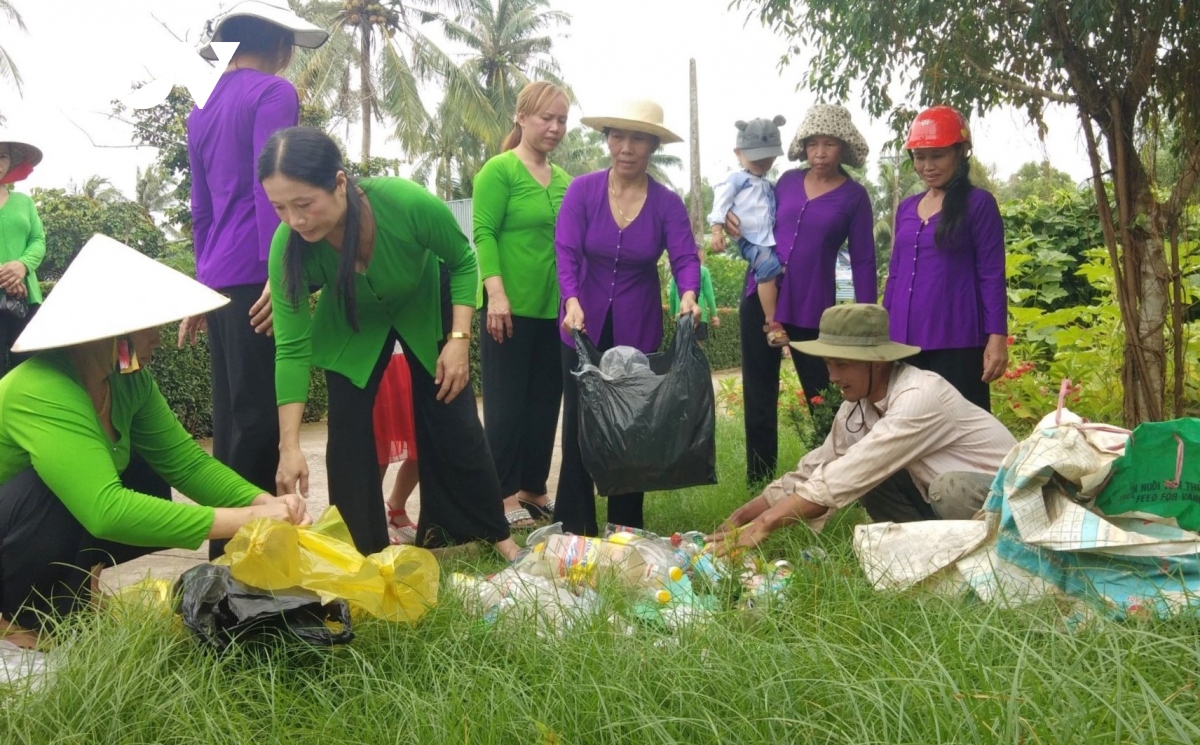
(165, 127)
(1047, 242)
(1039, 180)
(728, 272)
(71, 219)
(723, 346)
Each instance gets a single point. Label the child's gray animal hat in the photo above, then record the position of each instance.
(760, 138)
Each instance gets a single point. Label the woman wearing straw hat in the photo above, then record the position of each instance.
(904, 442)
(612, 228)
(89, 448)
(946, 288)
(233, 223)
(392, 264)
(819, 208)
(22, 247)
(516, 200)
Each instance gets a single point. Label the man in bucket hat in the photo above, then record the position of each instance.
(905, 442)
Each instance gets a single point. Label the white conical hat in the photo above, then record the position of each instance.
(111, 289)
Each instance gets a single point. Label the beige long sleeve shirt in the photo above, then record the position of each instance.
(923, 425)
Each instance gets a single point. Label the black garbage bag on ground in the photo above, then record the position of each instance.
(218, 610)
(648, 431)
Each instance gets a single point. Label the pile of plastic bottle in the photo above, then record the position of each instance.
(673, 580)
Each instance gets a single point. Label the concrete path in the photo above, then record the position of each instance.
(172, 562)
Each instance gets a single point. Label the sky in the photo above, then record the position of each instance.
(613, 51)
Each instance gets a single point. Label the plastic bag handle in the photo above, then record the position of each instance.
(584, 348)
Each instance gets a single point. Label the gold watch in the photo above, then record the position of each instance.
(458, 335)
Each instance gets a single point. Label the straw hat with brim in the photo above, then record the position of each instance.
(111, 289)
(831, 120)
(856, 331)
(637, 116)
(308, 35)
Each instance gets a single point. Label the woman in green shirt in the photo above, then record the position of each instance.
(707, 300)
(391, 264)
(515, 202)
(89, 448)
(22, 247)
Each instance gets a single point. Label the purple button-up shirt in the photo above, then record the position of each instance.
(606, 267)
(808, 235)
(232, 219)
(949, 297)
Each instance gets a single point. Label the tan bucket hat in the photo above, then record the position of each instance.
(637, 116)
(855, 331)
(831, 120)
(277, 12)
(111, 289)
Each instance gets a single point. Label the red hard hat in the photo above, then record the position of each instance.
(938, 126)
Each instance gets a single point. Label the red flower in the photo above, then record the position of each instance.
(817, 400)
(1011, 339)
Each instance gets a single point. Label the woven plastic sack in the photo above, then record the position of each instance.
(400, 583)
(1158, 475)
(648, 432)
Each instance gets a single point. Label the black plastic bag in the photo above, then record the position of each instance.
(648, 432)
(219, 610)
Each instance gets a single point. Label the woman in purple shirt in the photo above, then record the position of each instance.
(945, 289)
(819, 209)
(233, 223)
(612, 228)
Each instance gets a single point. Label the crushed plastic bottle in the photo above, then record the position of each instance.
(552, 607)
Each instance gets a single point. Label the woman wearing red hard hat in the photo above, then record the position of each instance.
(945, 289)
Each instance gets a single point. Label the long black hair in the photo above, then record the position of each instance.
(954, 204)
(310, 156)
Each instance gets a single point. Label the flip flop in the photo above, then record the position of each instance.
(538, 511)
(519, 518)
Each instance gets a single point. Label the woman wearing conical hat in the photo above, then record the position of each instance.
(89, 448)
(22, 248)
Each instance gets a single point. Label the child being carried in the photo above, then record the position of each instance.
(750, 196)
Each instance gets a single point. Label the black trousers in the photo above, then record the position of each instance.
(522, 390)
(245, 418)
(45, 553)
(575, 500)
(897, 500)
(760, 387)
(10, 328)
(962, 368)
(460, 494)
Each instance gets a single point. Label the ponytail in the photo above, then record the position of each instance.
(954, 205)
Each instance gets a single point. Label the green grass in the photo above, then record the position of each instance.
(836, 663)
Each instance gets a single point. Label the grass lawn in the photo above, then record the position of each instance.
(835, 663)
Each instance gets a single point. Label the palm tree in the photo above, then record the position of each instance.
(450, 156)
(365, 39)
(8, 68)
(508, 48)
(100, 189)
(583, 151)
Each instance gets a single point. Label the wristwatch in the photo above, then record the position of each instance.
(458, 335)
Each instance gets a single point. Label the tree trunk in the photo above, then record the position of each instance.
(365, 89)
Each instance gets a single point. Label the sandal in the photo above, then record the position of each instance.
(402, 536)
(400, 533)
(539, 511)
(776, 335)
(519, 518)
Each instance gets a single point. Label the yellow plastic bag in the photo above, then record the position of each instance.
(399, 583)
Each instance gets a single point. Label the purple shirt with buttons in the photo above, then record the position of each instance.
(949, 297)
(808, 235)
(605, 267)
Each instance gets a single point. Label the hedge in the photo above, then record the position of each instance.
(183, 374)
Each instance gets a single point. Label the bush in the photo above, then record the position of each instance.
(724, 345)
(183, 377)
(728, 273)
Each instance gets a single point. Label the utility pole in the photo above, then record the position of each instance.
(697, 200)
